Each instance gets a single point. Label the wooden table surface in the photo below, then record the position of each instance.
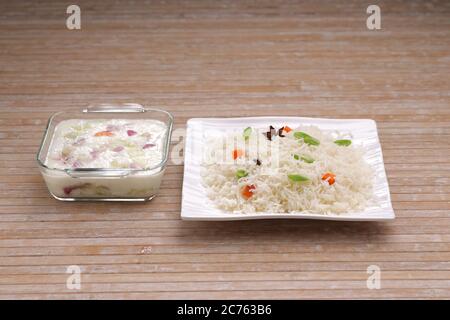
(226, 58)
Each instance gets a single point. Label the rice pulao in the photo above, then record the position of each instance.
(285, 170)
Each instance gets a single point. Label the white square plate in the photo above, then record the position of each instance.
(196, 205)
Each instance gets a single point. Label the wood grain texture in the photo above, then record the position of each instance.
(226, 58)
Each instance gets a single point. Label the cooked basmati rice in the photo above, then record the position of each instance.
(274, 191)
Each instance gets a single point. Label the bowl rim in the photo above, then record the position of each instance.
(90, 172)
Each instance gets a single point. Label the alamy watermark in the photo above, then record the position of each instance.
(73, 21)
(234, 149)
(373, 22)
(374, 279)
(73, 281)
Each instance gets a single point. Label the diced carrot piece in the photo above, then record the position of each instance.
(287, 129)
(329, 177)
(247, 191)
(237, 153)
(104, 134)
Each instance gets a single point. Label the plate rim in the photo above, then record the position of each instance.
(232, 216)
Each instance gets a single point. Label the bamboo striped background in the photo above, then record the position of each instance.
(226, 58)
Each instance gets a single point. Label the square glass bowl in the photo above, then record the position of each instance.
(105, 184)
